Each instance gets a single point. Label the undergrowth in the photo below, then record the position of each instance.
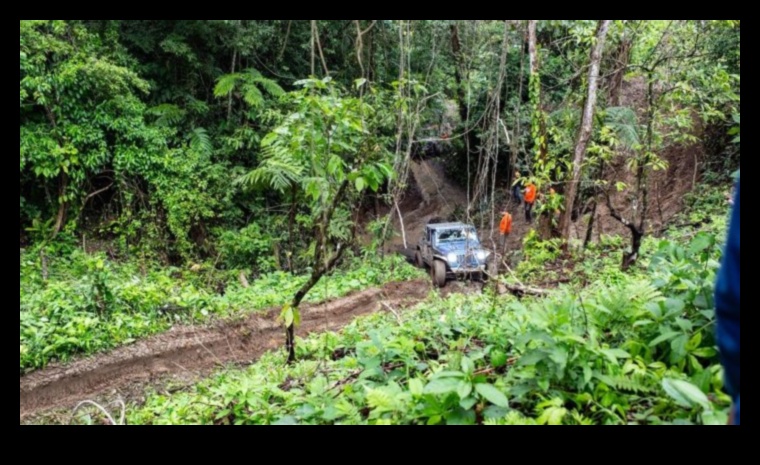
(637, 350)
(89, 304)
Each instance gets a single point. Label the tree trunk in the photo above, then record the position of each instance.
(532, 57)
(63, 205)
(291, 221)
(319, 268)
(584, 132)
(290, 341)
(630, 258)
(229, 97)
(316, 275)
(43, 265)
(464, 111)
(538, 129)
(621, 66)
(590, 228)
(513, 146)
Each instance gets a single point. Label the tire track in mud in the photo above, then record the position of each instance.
(198, 350)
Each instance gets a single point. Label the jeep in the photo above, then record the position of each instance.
(451, 250)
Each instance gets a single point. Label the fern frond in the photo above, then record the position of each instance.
(271, 87)
(252, 95)
(279, 171)
(635, 384)
(200, 141)
(225, 84)
(511, 418)
(167, 114)
(623, 121)
(643, 292)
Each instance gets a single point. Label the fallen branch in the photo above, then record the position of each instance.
(103, 410)
(694, 224)
(390, 309)
(485, 371)
(522, 290)
(345, 380)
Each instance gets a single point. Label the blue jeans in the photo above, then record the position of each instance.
(528, 212)
(517, 194)
(736, 411)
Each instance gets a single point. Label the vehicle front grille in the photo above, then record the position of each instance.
(468, 260)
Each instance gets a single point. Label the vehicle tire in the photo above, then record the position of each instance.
(438, 271)
(418, 259)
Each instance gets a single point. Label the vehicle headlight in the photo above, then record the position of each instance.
(452, 257)
(481, 255)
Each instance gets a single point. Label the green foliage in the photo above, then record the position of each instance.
(80, 111)
(623, 122)
(248, 84)
(324, 153)
(200, 141)
(639, 351)
(250, 247)
(735, 129)
(89, 305)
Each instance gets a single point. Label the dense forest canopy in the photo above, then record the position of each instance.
(142, 128)
(250, 148)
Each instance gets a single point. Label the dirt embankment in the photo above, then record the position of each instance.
(432, 195)
(186, 353)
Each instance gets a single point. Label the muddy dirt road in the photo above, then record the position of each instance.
(185, 353)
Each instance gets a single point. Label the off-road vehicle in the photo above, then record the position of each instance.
(451, 250)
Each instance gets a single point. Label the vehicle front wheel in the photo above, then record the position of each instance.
(439, 273)
(418, 259)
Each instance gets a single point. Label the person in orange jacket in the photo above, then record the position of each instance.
(530, 198)
(505, 227)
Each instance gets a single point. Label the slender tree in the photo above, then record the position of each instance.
(584, 133)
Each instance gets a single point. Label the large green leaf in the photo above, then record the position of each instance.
(614, 354)
(666, 336)
(442, 386)
(491, 394)
(464, 389)
(701, 241)
(685, 394)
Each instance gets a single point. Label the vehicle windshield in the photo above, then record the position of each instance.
(455, 235)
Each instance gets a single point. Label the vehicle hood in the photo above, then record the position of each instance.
(458, 247)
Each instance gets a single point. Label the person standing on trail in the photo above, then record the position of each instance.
(530, 197)
(505, 226)
(517, 189)
(727, 311)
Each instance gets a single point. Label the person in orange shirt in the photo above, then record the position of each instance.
(505, 227)
(530, 198)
